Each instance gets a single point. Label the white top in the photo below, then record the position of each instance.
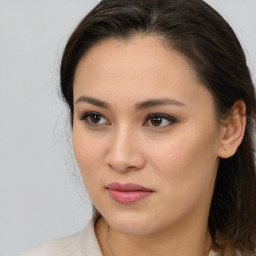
(83, 243)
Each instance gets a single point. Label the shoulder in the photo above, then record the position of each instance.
(213, 253)
(83, 243)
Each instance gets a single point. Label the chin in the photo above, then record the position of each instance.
(132, 224)
(132, 228)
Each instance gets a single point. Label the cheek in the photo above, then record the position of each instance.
(88, 152)
(186, 160)
(184, 172)
(89, 156)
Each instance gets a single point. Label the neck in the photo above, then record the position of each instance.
(175, 242)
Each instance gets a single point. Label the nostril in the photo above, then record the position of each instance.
(123, 153)
(119, 167)
(135, 164)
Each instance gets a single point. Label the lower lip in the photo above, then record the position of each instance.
(128, 197)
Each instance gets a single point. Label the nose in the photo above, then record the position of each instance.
(124, 152)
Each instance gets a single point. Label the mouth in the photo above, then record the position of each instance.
(128, 193)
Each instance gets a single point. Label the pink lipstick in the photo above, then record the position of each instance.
(128, 193)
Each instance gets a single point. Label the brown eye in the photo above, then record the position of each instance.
(156, 121)
(94, 119)
(159, 120)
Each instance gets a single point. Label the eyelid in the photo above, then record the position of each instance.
(169, 118)
(84, 117)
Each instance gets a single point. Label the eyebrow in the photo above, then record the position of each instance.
(158, 102)
(139, 106)
(93, 101)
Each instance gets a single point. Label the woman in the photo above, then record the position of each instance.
(163, 110)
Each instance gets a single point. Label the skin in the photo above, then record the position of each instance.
(178, 160)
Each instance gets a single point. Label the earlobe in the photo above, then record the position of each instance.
(233, 130)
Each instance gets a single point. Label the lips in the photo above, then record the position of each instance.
(128, 193)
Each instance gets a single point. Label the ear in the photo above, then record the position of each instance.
(233, 130)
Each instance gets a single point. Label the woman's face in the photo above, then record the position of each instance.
(145, 136)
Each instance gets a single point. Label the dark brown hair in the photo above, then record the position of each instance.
(196, 30)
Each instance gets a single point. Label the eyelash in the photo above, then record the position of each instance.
(162, 116)
(85, 117)
(171, 120)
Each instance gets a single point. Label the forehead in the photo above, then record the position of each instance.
(139, 51)
(139, 67)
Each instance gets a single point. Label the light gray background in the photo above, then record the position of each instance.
(39, 198)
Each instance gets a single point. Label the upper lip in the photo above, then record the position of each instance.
(127, 187)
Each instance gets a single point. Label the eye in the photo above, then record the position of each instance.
(159, 120)
(94, 119)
